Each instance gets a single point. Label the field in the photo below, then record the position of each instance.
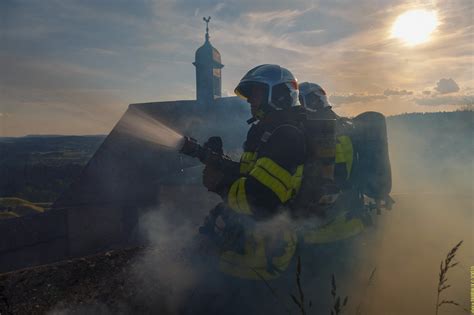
(39, 168)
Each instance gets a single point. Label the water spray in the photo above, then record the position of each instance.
(141, 125)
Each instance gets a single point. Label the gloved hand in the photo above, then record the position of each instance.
(211, 178)
(215, 144)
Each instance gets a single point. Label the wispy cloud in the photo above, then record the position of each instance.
(59, 52)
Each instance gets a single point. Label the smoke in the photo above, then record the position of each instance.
(406, 249)
(178, 271)
(166, 274)
(431, 157)
(392, 267)
(140, 125)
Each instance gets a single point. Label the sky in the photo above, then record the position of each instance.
(72, 67)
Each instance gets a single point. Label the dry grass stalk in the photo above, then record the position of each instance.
(299, 301)
(443, 280)
(369, 282)
(337, 306)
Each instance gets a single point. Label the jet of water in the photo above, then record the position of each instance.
(141, 125)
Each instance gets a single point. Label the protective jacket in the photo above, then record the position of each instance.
(270, 173)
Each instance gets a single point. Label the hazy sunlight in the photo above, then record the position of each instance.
(415, 26)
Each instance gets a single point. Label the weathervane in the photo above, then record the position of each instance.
(207, 26)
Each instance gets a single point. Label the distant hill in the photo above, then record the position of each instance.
(39, 168)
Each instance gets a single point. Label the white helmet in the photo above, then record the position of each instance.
(313, 96)
(278, 83)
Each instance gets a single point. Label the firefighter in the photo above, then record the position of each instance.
(313, 97)
(268, 177)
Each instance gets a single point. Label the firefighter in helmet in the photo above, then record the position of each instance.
(313, 97)
(268, 176)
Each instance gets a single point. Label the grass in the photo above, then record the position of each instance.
(15, 207)
(369, 282)
(443, 285)
(16, 202)
(339, 303)
(8, 215)
(337, 307)
(19, 206)
(299, 300)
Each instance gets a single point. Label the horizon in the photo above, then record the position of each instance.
(106, 134)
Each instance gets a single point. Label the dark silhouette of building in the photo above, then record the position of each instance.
(128, 176)
(208, 71)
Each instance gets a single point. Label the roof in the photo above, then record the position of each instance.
(207, 54)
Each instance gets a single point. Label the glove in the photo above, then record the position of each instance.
(211, 178)
(215, 144)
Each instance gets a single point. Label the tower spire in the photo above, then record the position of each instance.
(207, 26)
(208, 70)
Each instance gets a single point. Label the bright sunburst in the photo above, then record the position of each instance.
(415, 26)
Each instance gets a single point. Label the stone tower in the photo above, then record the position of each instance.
(208, 71)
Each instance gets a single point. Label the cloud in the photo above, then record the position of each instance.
(459, 100)
(31, 73)
(426, 92)
(396, 92)
(445, 86)
(143, 51)
(355, 98)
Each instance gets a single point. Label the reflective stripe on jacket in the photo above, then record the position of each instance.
(344, 154)
(259, 260)
(269, 174)
(247, 161)
(341, 227)
(271, 170)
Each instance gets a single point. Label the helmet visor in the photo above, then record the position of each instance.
(312, 101)
(249, 89)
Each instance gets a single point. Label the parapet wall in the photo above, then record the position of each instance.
(33, 240)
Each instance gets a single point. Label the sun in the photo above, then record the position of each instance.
(415, 26)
